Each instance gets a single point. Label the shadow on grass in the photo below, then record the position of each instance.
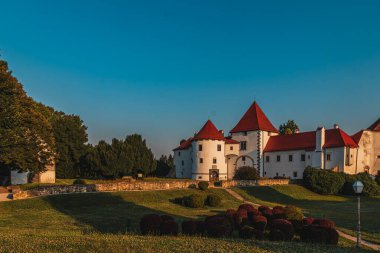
(102, 212)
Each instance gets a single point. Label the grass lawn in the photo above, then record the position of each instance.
(341, 209)
(108, 222)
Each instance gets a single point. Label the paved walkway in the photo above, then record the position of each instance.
(349, 237)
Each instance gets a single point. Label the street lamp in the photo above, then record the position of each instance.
(358, 188)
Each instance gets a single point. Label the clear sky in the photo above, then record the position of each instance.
(162, 68)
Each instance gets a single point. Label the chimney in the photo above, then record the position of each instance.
(336, 126)
(319, 139)
(222, 132)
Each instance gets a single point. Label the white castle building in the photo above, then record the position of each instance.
(254, 141)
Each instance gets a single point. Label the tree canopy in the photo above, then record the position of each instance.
(289, 127)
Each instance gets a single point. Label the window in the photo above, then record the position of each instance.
(278, 158)
(328, 157)
(295, 174)
(219, 147)
(276, 174)
(303, 158)
(214, 160)
(290, 158)
(231, 148)
(183, 162)
(243, 145)
(179, 153)
(378, 157)
(308, 157)
(199, 177)
(243, 158)
(200, 160)
(200, 147)
(267, 158)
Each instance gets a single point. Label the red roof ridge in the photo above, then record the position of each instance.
(375, 126)
(254, 119)
(357, 136)
(184, 145)
(336, 137)
(209, 132)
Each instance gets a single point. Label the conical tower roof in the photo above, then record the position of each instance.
(209, 132)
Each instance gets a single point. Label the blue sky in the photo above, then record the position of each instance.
(162, 68)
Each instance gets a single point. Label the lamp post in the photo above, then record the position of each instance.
(358, 188)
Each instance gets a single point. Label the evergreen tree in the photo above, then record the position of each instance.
(289, 127)
(164, 165)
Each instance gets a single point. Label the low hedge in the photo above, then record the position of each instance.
(219, 226)
(150, 224)
(285, 226)
(203, 185)
(213, 200)
(194, 201)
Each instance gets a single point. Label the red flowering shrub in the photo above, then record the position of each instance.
(298, 225)
(285, 226)
(247, 207)
(308, 221)
(219, 226)
(260, 222)
(314, 234)
(150, 224)
(276, 235)
(247, 232)
(189, 227)
(201, 227)
(324, 223)
(166, 217)
(278, 210)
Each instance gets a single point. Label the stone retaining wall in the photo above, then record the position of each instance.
(136, 186)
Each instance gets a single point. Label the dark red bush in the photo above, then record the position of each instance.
(230, 212)
(314, 234)
(247, 232)
(242, 212)
(238, 218)
(263, 208)
(246, 222)
(278, 210)
(201, 227)
(285, 226)
(276, 235)
(150, 224)
(260, 222)
(189, 227)
(169, 227)
(324, 223)
(259, 235)
(219, 226)
(308, 221)
(298, 225)
(166, 217)
(247, 207)
(333, 237)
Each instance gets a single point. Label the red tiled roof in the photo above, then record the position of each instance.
(254, 119)
(338, 138)
(184, 145)
(356, 137)
(209, 132)
(298, 141)
(228, 140)
(375, 126)
(306, 141)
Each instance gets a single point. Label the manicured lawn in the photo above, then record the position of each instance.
(341, 209)
(108, 222)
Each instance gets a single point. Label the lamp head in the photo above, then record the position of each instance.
(358, 187)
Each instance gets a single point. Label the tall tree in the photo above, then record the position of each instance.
(289, 127)
(164, 165)
(26, 138)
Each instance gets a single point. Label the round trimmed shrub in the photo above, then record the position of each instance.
(79, 181)
(333, 237)
(169, 227)
(230, 212)
(259, 235)
(314, 234)
(323, 181)
(247, 207)
(278, 210)
(247, 232)
(166, 217)
(213, 200)
(246, 173)
(298, 225)
(326, 223)
(150, 224)
(201, 227)
(308, 221)
(293, 213)
(219, 226)
(263, 208)
(260, 223)
(189, 227)
(285, 226)
(276, 235)
(194, 201)
(203, 185)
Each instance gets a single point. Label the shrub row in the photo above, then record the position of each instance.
(154, 224)
(329, 182)
(198, 200)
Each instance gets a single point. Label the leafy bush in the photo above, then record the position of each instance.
(219, 226)
(276, 235)
(203, 185)
(189, 227)
(284, 226)
(247, 232)
(166, 217)
(278, 210)
(293, 213)
(318, 234)
(201, 227)
(260, 222)
(246, 173)
(323, 181)
(371, 188)
(308, 221)
(79, 181)
(169, 227)
(150, 224)
(247, 207)
(326, 223)
(298, 225)
(213, 200)
(194, 201)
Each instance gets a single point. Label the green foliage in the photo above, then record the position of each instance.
(120, 158)
(164, 165)
(213, 200)
(79, 181)
(323, 181)
(246, 173)
(371, 188)
(293, 213)
(203, 185)
(194, 201)
(289, 127)
(26, 139)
